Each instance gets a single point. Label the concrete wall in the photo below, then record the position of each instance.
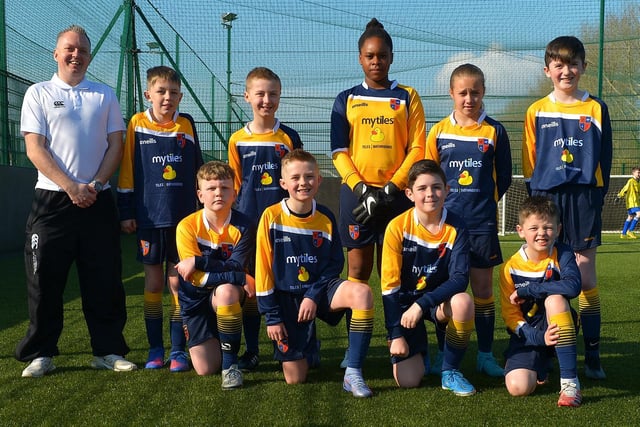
(17, 192)
(15, 202)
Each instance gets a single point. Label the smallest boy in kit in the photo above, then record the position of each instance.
(536, 284)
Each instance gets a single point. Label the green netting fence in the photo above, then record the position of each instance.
(313, 47)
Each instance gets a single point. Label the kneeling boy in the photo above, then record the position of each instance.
(425, 272)
(536, 284)
(299, 260)
(214, 245)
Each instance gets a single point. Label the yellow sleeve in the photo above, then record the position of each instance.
(529, 144)
(391, 257)
(265, 282)
(125, 175)
(187, 244)
(511, 314)
(234, 162)
(416, 144)
(431, 151)
(624, 189)
(347, 170)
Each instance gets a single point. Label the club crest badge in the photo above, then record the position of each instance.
(483, 145)
(585, 123)
(317, 239)
(181, 140)
(144, 247)
(548, 273)
(283, 346)
(281, 149)
(354, 231)
(226, 249)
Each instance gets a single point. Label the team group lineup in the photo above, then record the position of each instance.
(244, 241)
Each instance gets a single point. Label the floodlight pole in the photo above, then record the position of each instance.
(227, 19)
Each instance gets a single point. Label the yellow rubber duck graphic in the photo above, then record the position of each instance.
(464, 178)
(265, 179)
(377, 135)
(566, 156)
(168, 173)
(422, 283)
(303, 274)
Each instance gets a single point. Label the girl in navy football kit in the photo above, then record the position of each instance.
(473, 150)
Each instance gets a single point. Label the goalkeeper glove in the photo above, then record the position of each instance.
(390, 191)
(368, 200)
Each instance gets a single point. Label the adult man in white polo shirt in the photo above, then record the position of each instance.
(73, 135)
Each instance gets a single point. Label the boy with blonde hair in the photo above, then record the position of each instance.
(298, 265)
(254, 154)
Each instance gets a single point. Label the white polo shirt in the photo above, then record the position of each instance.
(75, 120)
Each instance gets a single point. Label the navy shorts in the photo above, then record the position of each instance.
(200, 323)
(156, 245)
(301, 336)
(199, 319)
(534, 358)
(484, 250)
(580, 214)
(355, 235)
(416, 337)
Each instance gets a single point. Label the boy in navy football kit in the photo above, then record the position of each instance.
(536, 285)
(214, 245)
(566, 155)
(254, 154)
(425, 273)
(299, 260)
(473, 150)
(156, 189)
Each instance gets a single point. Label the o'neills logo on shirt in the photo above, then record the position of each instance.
(553, 124)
